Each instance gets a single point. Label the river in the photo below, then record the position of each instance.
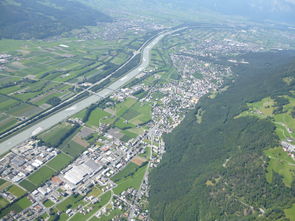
(75, 108)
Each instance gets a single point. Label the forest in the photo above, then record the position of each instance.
(215, 169)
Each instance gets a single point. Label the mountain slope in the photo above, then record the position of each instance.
(218, 169)
(22, 19)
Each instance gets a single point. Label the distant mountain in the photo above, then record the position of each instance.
(277, 10)
(23, 19)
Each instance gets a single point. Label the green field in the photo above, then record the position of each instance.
(123, 124)
(3, 202)
(28, 185)
(281, 163)
(48, 203)
(121, 108)
(54, 135)
(129, 169)
(133, 181)
(73, 149)
(16, 191)
(128, 135)
(261, 109)
(96, 116)
(17, 206)
(24, 203)
(71, 202)
(285, 123)
(290, 213)
(59, 162)
(41, 175)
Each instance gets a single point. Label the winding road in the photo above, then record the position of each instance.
(94, 98)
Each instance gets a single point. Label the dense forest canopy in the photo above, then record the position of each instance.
(216, 170)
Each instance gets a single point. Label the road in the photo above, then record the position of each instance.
(92, 99)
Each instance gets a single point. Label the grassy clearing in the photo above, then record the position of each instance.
(60, 161)
(127, 171)
(133, 181)
(260, 109)
(41, 175)
(281, 163)
(16, 191)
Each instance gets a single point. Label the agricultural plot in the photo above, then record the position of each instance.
(59, 162)
(121, 108)
(17, 206)
(41, 175)
(3, 202)
(55, 135)
(133, 181)
(96, 116)
(16, 191)
(48, 203)
(73, 149)
(71, 202)
(28, 185)
(130, 169)
(37, 71)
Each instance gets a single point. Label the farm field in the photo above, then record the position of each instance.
(59, 162)
(127, 171)
(40, 74)
(16, 191)
(17, 206)
(28, 185)
(41, 175)
(133, 180)
(55, 136)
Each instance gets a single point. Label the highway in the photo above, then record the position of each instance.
(80, 105)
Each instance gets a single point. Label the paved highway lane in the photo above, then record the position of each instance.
(75, 108)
